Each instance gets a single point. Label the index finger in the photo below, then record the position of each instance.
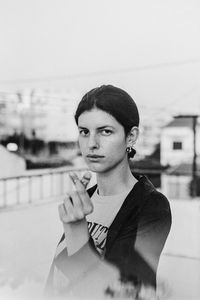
(84, 181)
(83, 195)
(86, 178)
(77, 182)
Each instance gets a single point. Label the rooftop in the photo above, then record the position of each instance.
(182, 169)
(181, 122)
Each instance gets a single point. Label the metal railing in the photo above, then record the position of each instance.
(35, 187)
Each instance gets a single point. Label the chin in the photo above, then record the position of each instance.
(95, 167)
(99, 169)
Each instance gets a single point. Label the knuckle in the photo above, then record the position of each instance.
(73, 194)
(65, 219)
(60, 207)
(67, 201)
(71, 218)
(88, 209)
(62, 214)
(67, 195)
(78, 191)
(82, 192)
(80, 215)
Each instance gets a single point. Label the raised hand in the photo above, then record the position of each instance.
(77, 203)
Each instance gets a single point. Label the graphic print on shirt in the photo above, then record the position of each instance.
(98, 233)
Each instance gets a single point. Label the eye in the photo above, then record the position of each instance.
(84, 132)
(106, 132)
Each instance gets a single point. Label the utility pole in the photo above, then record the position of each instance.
(194, 159)
(194, 162)
(21, 137)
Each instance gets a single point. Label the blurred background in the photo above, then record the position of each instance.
(52, 52)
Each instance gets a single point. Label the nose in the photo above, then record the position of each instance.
(93, 142)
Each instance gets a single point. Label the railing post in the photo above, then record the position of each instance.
(30, 189)
(29, 185)
(18, 190)
(51, 183)
(4, 192)
(41, 186)
(61, 183)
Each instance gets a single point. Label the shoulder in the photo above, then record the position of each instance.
(154, 205)
(156, 201)
(155, 214)
(153, 199)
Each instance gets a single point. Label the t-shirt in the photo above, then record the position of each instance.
(99, 221)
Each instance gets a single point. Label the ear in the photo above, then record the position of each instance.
(132, 136)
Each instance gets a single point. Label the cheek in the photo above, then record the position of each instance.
(116, 146)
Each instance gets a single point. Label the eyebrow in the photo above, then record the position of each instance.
(101, 127)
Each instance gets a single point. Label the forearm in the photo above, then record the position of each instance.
(76, 235)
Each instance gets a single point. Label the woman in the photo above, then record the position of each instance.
(123, 219)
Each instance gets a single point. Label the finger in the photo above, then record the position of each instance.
(73, 177)
(86, 179)
(77, 206)
(69, 208)
(84, 197)
(64, 216)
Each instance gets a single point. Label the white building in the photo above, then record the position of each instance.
(10, 121)
(54, 115)
(177, 150)
(177, 141)
(152, 121)
(47, 113)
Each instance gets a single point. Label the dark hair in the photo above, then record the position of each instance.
(114, 101)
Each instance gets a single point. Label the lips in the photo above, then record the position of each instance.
(94, 156)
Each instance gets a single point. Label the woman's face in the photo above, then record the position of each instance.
(102, 140)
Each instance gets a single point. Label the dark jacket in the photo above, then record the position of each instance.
(135, 239)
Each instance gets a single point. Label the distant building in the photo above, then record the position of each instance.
(152, 121)
(10, 121)
(177, 152)
(176, 181)
(177, 141)
(44, 114)
(54, 115)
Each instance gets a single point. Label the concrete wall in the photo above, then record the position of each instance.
(175, 186)
(10, 163)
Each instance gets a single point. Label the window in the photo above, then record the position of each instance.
(177, 146)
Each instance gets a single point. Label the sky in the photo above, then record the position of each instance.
(151, 48)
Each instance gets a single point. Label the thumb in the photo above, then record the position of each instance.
(86, 179)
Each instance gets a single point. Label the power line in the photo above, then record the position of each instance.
(61, 97)
(166, 107)
(170, 104)
(103, 72)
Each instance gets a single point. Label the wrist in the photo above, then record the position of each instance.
(76, 235)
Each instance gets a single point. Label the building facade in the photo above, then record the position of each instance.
(177, 151)
(45, 114)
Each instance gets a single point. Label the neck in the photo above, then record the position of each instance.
(115, 181)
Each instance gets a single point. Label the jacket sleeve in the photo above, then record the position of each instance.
(136, 250)
(82, 274)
